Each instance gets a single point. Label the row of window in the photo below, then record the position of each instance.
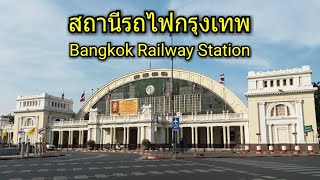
(276, 83)
(154, 74)
(59, 105)
(29, 103)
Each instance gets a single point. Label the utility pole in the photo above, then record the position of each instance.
(172, 101)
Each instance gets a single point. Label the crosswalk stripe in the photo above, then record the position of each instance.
(155, 172)
(201, 170)
(59, 178)
(101, 176)
(81, 177)
(186, 171)
(138, 173)
(120, 174)
(171, 172)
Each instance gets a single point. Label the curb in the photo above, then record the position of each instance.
(30, 157)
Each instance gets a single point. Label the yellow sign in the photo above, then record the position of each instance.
(31, 131)
(4, 134)
(124, 107)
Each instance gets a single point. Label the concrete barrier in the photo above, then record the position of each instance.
(259, 151)
(284, 149)
(297, 149)
(247, 149)
(310, 149)
(271, 150)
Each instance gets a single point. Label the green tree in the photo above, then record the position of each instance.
(317, 101)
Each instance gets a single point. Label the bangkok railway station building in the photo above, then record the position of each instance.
(138, 106)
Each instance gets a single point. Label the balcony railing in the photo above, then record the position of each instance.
(104, 119)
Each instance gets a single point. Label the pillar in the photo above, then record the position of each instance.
(181, 132)
(101, 137)
(228, 136)
(262, 117)
(196, 136)
(212, 145)
(294, 139)
(167, 135)
(192, 136)
(114, 140)
(128, 136)
(270, 134)
(241, 134)
(124, 136)
(111, 135)
(138, 136)
(208, 137)
(224, 136)
(300, 125)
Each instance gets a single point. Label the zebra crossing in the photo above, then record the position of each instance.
(276, 166)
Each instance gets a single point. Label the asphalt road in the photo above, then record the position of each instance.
(79, 165)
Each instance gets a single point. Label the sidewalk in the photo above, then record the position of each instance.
(32, 155)
(220, 154)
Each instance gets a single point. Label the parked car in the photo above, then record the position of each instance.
(50, 147)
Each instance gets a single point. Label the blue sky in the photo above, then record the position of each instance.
(34, 44)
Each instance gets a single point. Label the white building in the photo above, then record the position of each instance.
(280, 104)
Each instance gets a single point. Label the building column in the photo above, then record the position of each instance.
(101, 137)
(79, 138)
(270, 134)
(128, 136)
(293, 130)
(224, 136)
(192, 137)
(124, 136)
(181, 132)
(288, 134)
(167, 136)
(208, 137)
(212, 145)
(111, 135)
(196, 136)
(228, 135)
(71, 139)
(241, 134)
(114, 138)
(300, 124)
(246, 134)
(262, 117)
(138, 136)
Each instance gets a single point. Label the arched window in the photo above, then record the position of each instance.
(29, 122)
(280, 110)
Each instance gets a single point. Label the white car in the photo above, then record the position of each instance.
(51, 147)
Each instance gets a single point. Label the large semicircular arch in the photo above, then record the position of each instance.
(230, 98)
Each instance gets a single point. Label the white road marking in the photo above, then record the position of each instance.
(101, 176)
(155, 172)
(60, 178)
(81, 177)
(138, 173)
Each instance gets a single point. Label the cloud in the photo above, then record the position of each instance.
(273, 21)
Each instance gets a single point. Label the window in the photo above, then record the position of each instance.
(265, 84)
(271, 83)
(136, 77)
(52, 104)
(29, 122)
(155, 74)
(284, 82)
(280, 110)
(145, 75)
(291, 82)
(278, 82)
(164, 74)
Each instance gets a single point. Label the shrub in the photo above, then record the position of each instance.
(90, 143)
(146, 143)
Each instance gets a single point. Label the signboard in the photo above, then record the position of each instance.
(175, 124)
(308, 128)
(124, 107)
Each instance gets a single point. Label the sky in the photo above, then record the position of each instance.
(34, 44)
